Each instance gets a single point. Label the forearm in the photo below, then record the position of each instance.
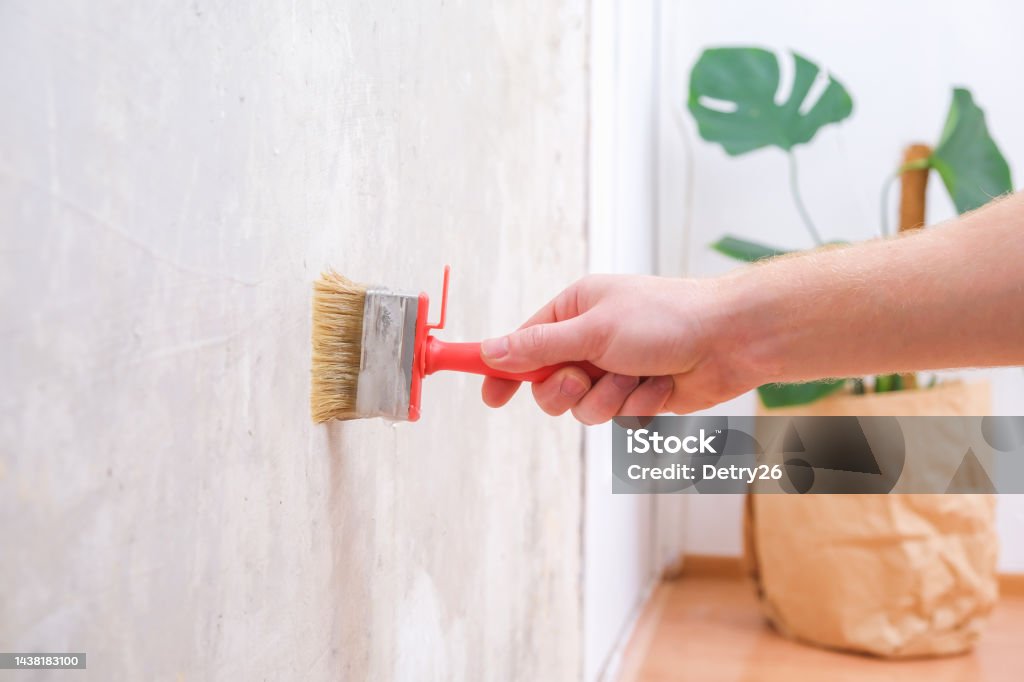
(945, 297)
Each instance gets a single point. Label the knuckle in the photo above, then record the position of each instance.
(567, 302)
(598, 337)
(625, 385)
(582, 417)
(589, 417)
(584, 292)
(547, 400)
(552, 409)
(533, 337)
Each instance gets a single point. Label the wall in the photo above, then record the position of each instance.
(173, 177)
(619, 553)
(899, 61)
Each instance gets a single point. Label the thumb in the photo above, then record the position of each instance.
(540, 345)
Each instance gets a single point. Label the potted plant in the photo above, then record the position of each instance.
(891, 575)
(732, 99)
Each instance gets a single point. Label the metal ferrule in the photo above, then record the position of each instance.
(385, 367)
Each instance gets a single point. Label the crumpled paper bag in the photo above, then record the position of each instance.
(896, 575)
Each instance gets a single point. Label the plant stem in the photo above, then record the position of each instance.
(794, 186)
(919, 164)
(885, 201)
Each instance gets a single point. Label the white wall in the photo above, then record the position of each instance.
(619, 530)
(899, 60)
(173, 177)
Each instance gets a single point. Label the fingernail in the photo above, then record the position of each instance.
(495, 348)
(572, 387)
(662, 384)
(624, 381)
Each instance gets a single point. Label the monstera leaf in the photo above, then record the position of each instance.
(967, 159)
(745, 250)
(732, 97)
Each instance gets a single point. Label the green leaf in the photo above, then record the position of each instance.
(785, 395)
(967, 158)
(744, 250)
(887, 383)
(744, 80)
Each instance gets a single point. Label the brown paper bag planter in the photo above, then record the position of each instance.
(896, 575)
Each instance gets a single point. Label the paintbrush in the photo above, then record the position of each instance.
(372, 346)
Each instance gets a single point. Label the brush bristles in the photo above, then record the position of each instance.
(337, 346)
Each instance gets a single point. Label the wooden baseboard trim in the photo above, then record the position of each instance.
(712, 566)
(733, 568)
(1011, 584)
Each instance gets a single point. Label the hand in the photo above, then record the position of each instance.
(651, 334)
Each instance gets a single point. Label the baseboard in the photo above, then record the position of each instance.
(732, 568)
(712, 566)
(1011, 584)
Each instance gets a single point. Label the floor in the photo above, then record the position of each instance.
(709, 629)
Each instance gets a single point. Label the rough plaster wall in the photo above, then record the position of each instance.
(172, 178)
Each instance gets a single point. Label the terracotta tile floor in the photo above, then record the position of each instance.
(709, 629)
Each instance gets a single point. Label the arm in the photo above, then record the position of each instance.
(945, 297)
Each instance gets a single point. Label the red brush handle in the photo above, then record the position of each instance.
(465, 357)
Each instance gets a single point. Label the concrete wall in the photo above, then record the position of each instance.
(173, 176)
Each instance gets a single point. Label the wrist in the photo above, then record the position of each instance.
(745, 342)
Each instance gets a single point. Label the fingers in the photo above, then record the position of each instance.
(618, 394)
(558, 393)
(570, 389)
(562, 390)
(649, 398)
(542, 344)
(497, 392)
(605, 399)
